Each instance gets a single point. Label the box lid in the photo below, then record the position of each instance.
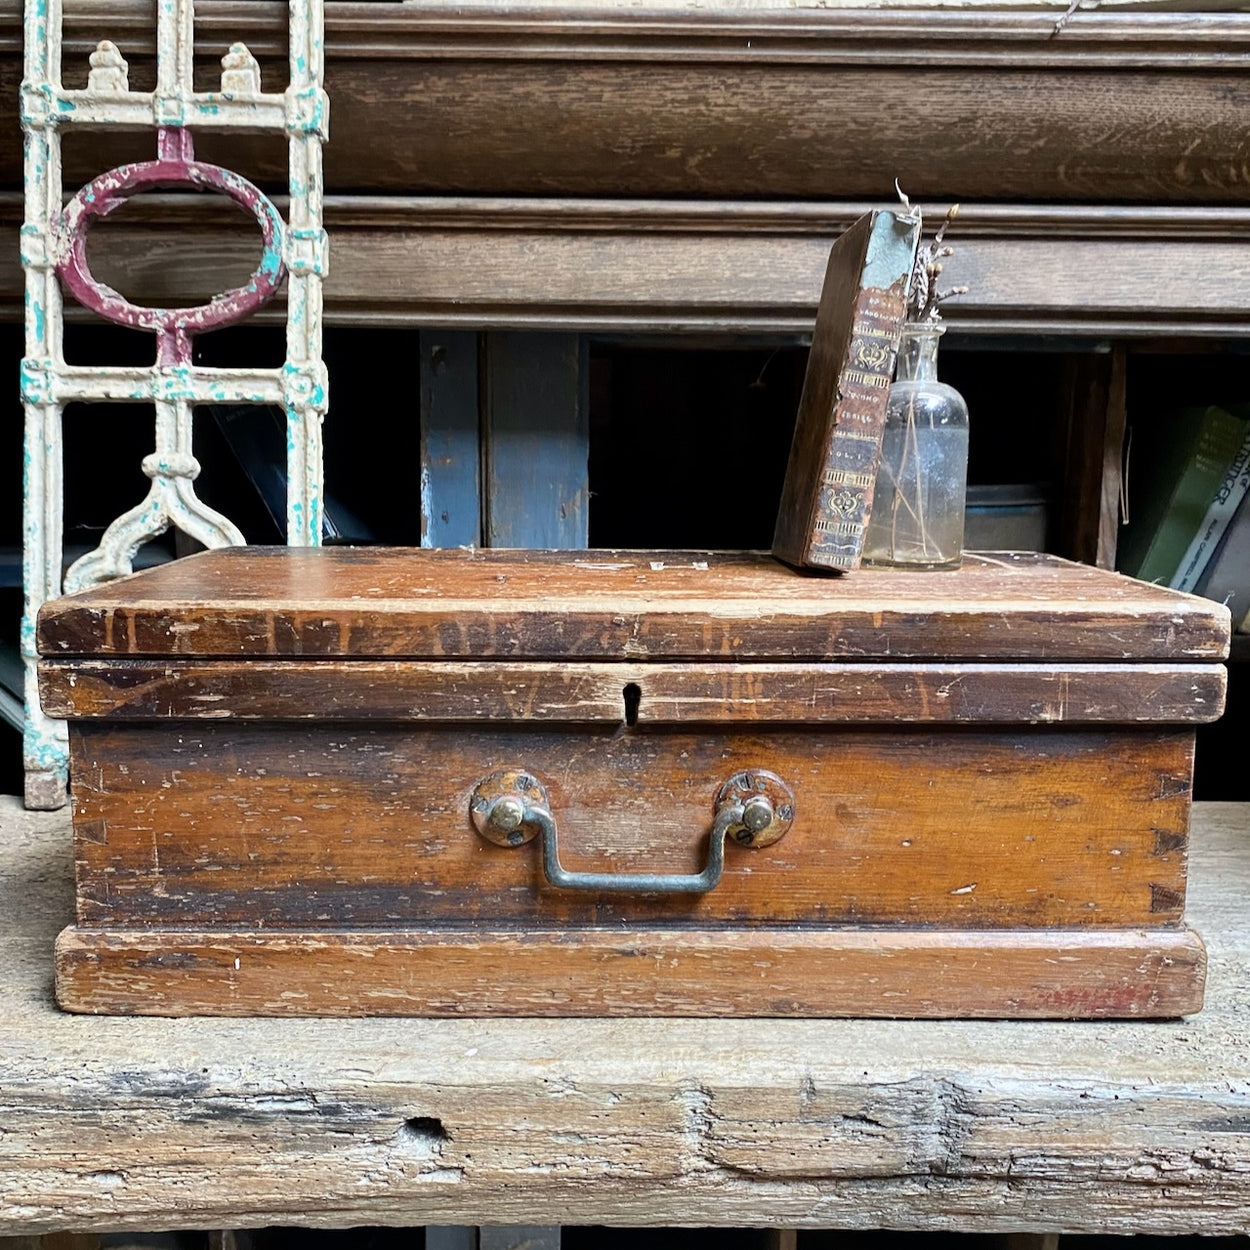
(345, 603)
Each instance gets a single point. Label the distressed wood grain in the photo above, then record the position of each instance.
(450, 470)
(581, 693)
(713, 266)
(639, 972)
(1096, 388)
(1133, 32)
(307, 826)
(535, 441)
(385, 603)
(972, 1126)
(1118, 108)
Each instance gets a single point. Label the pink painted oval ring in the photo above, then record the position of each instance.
(111, 190)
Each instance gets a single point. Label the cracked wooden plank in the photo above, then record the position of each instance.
(974, 1126)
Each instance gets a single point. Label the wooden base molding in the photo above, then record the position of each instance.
(1047, 974)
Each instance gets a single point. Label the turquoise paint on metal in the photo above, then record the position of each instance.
(46, 107)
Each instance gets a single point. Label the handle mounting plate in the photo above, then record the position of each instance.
(491, 816)
(757, 784)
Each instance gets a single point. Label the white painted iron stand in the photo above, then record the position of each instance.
(174, 385)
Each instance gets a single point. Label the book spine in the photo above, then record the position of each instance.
(1232, 490)
(844, 499)
(1219, 437)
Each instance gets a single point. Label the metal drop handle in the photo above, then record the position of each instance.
(754, 807)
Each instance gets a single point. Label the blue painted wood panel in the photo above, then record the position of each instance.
(536, 440)
(451, 499)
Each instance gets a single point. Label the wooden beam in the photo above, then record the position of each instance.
(1111, 477)
(1097, 418)
(726, 100)
(927, 32)
(717, 267)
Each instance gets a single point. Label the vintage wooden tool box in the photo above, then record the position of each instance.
(362, 781)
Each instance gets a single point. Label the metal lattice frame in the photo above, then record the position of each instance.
(53, 251)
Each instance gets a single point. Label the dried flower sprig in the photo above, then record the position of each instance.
(925, 300)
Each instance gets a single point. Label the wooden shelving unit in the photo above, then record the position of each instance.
(680, 170)
(672, 174)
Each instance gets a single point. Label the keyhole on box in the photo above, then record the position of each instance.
(633, 697)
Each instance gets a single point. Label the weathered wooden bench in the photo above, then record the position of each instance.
(976, 1126)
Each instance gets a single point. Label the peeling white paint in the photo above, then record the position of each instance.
(48, 383)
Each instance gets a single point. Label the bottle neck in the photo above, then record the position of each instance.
(917, 352)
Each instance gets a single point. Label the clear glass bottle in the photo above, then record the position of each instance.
(917, 517)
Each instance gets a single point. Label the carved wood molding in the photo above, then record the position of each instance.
(717, 267)
(729, 100)
(719, 31)
(658, 216)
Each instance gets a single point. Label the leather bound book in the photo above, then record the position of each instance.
(827, 495)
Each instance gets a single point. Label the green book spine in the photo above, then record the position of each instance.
(1218, 440)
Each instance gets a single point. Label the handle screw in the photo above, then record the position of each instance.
(757, 813)
(507, 813)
